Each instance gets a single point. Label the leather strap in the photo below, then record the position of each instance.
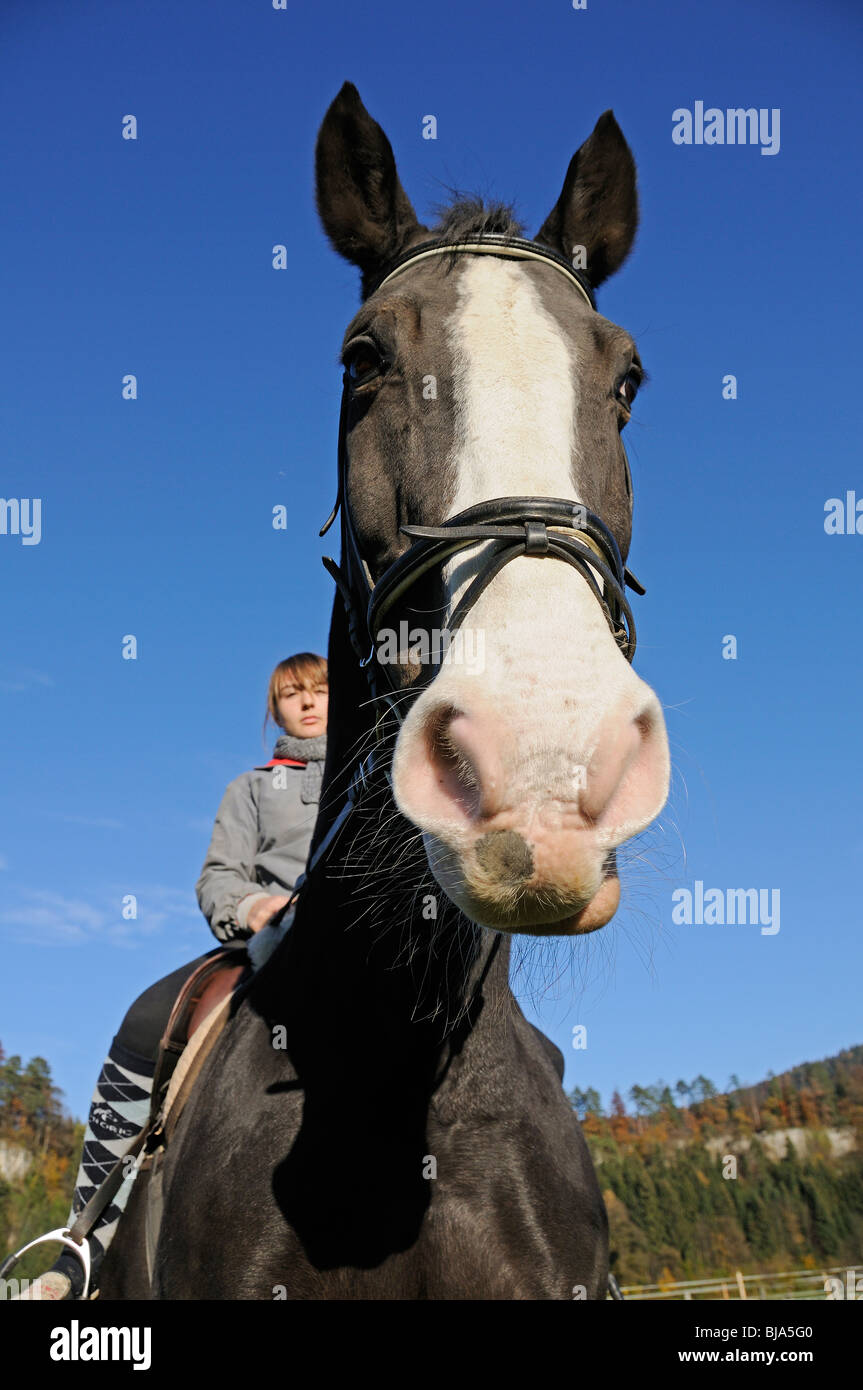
(105, 1194)
(512, 248)
(153, 1213)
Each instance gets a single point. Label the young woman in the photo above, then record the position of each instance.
(257, 852)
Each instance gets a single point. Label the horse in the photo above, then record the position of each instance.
(378, 1119)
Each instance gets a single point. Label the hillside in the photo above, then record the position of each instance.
(39, 1149)
(760, 1177)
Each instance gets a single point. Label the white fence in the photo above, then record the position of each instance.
(838, 1282)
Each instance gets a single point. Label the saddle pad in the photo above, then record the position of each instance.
(193, 1057)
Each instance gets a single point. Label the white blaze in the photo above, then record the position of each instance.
(517, 388)
(516, 391)
(546, 733)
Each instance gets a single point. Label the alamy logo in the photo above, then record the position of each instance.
(844, 515)
(432, 647)
(76, 1343)
(734, 126)
(726, 907)
(21, 516)
(851, 1290)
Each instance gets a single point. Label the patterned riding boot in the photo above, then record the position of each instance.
(118, 1113)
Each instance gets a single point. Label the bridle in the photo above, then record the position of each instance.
(514, 526)
(537, 526)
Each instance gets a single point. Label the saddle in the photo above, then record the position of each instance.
(208, 987)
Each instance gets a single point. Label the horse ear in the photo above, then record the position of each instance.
(365, 212)
(598, 207)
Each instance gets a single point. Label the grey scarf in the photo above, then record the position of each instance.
(311, 751)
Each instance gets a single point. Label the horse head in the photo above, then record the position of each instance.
(533, 750)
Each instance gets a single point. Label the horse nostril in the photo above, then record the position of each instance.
(505, 856)
(453, 768)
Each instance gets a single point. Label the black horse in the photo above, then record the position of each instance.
(379, 1119)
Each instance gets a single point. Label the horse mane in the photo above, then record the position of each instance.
(467, 215)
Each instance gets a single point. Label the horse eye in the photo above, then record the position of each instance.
(627, 389)
(363, 362)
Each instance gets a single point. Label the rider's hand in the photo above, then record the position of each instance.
(263, 911)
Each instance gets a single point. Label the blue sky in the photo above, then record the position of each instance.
(154, 257)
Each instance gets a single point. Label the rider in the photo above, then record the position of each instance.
(258, 850)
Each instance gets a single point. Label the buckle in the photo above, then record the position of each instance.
(535, 538)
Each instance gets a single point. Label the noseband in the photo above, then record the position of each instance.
(512, 526)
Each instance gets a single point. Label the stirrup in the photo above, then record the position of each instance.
(62, 1234)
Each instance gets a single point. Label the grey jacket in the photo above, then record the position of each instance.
(259, 847)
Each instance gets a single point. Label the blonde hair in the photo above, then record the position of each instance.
(305, 669)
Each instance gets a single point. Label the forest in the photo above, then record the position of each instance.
(39, 1149)
(699, 1183)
